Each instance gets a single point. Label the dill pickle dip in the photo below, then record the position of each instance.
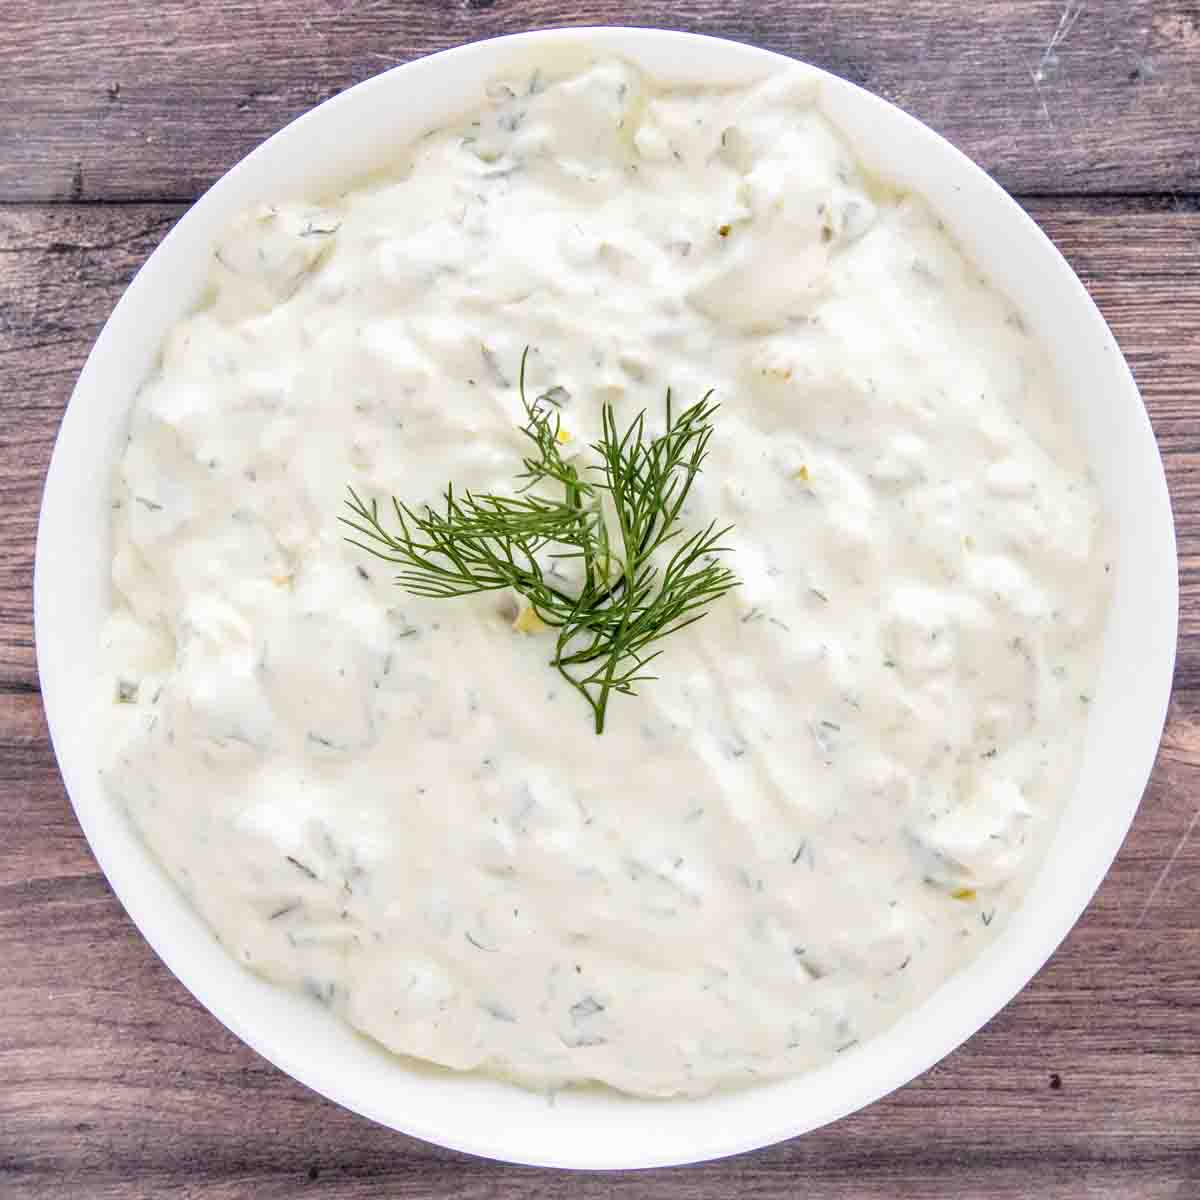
(837, 787)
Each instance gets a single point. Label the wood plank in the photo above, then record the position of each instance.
(65, 266)
(62, 269)
(154, 99)
(117, 1084)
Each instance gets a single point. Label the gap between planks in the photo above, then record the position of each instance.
(1132, 202)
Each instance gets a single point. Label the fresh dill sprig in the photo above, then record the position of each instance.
(641, 578)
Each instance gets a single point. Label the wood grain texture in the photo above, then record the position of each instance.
(114, 1083)
(62, 268)
(61, 272)
(154, 99)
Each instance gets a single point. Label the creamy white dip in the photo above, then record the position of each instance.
(838, 787)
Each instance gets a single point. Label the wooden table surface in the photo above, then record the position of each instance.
(116, 115)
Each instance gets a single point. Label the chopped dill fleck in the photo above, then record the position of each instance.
(301, 867)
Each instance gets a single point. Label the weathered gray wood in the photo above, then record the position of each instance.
(62, 268)
(114, 1083)
(154, 99)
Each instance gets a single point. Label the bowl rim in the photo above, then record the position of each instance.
(898, 1064)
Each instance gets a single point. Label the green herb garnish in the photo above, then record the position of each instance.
(613, 519)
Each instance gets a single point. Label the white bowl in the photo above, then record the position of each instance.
(346, 137)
